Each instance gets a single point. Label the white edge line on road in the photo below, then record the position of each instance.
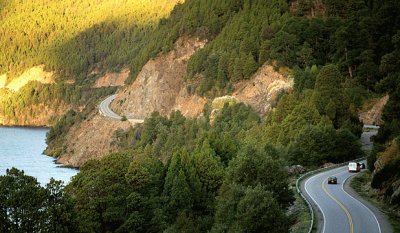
(317, 172)
(316, 203)
(379, 227)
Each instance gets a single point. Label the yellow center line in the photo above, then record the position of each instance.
(341, 205)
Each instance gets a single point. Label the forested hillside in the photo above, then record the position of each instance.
(384, 160)
(354, 34)
(226, 171)
(69, 38)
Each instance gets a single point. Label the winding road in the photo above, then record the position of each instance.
(104, 109)
(340, 211)
(338, 208)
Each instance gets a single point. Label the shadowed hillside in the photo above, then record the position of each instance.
(41, 32)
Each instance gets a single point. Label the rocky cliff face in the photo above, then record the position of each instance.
(160, 86)
(262, 90)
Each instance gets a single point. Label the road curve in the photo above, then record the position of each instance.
(337, 210)
(104, 109)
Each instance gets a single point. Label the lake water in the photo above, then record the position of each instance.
(23, 148)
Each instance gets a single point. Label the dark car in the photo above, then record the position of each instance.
(361, 165)
(332, 180)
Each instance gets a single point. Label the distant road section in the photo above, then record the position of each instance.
(104, 109)
(371, 127)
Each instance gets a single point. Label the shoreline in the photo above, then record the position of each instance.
(25, 126)
(23, 149)
(33, 127)
(61, 165)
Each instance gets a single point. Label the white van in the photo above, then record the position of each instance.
(353, 167)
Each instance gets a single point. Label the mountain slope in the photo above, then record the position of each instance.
(160, 83)
(66, 40)
(69, 36)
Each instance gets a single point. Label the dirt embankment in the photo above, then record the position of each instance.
(160, 85)
(91, 139)
(374, 115)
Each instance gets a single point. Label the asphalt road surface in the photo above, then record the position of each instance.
(105, 110)
(338, 208)
(341, 212)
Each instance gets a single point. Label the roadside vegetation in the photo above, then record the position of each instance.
(362, 185)
(299, 212)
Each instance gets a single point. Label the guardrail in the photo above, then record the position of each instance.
(305, 199)
(312, 173)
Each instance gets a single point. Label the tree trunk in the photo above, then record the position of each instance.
(349, 66)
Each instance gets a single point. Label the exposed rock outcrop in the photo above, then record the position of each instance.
(262, 90)
(374, 115)
(160, 85)
(296, 170)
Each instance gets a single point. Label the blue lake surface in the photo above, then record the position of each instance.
(23, 148)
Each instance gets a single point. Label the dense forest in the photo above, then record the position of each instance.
(354, 34)
(228, 173)
(71, 38)
(176, 174)
(224, 174)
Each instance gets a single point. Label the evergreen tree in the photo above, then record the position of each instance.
(22, 203)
